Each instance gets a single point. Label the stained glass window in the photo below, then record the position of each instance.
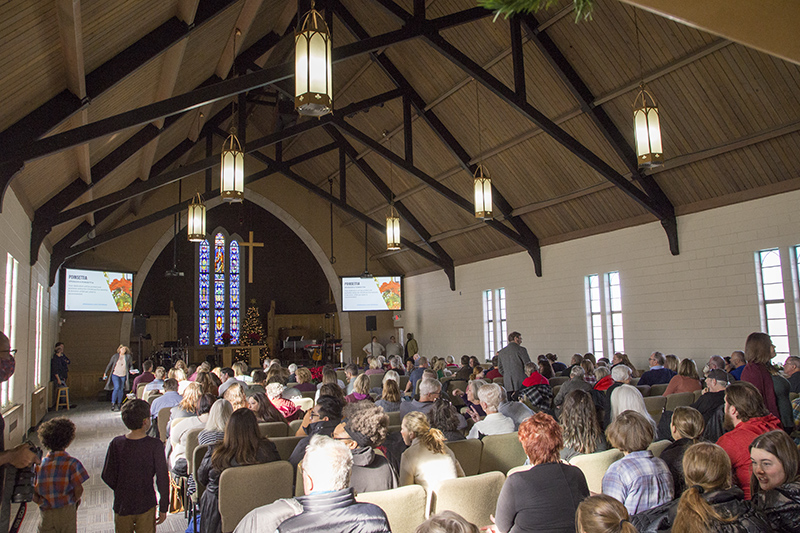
(219, 292)
(233, 286)
(204, 316)
(219, 288)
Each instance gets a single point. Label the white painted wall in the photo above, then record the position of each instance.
(699, 303)
(15, 228)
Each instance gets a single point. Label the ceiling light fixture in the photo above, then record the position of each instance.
(482, 183)
(313, 81)
(232, 157)
(646, 123)
(196, 224)
(392, 219)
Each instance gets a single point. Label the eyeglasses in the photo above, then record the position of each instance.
(12, 352)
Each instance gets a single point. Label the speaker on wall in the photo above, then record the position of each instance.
(139, 325)
(372, 322)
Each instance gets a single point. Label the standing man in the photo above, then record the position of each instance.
(59, 366)
(393, 348)
(511, 362)
(374, 348)
(412, 348)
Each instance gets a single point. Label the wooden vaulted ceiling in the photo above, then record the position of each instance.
(555, 118)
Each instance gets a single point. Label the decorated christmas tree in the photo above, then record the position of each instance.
(252, 328)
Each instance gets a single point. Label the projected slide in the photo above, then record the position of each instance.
(97, 290)
(382, 293)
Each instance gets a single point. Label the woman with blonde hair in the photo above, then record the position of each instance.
(360, 390)
(118, 376)
(710, 504)
(304, 378)
(427, 461)
(671, 362)
(687, 379)
(235, 394)
(628, 398)
(602, 514)
(375, 366)
(623, 359)
(390, 396)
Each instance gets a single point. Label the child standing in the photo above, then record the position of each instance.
(132, 461)
(59, 479)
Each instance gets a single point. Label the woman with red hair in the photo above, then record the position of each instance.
(548, 485)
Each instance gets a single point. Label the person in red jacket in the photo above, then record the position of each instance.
(604, 380)
(534, 377)
(746, 417)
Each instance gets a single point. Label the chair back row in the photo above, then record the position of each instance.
(495, 453)
(473, 497)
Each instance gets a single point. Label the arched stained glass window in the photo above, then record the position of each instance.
(234, 291)
(203, 282)
(219, 289)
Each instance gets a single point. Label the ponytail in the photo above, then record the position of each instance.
(695, 515)
(433, 440)
(603, 514)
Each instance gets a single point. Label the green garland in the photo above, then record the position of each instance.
(508, 8)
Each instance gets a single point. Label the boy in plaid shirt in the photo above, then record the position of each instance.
(59, 479)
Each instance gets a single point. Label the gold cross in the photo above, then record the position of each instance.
(251, 244)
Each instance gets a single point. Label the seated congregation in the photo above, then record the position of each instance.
(587, 447)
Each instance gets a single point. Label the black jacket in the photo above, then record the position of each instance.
(781, 506)
(336, 512)
(729, 503)
(371, 472)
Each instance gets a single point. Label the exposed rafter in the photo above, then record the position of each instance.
(602, 122)
(404, 212)
(656, 206)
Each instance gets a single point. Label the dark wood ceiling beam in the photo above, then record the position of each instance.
(391, 7)
(402, 210)
(525, 237)
(165, 178)
(448, 193)
(581, 92)
(225, 89)
(547, 125)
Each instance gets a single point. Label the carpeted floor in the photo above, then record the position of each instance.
(96, 426)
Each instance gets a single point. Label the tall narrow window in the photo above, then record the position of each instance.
(488, 324)
(10, 323)
(39, 347)
(234, 291)
(594, 315)
(615, 311)
(204, 310)
(772, 300)
(502, 318)
(219, 288)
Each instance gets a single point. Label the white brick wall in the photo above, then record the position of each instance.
(697, 304)
(15, 228)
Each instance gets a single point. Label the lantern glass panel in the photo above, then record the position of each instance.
(655, 130)
(301, 65)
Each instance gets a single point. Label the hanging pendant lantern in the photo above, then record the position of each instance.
(392, 229)
(483, 193)
(647, 128)
(232, 183)
(313, 81)
(196, 224)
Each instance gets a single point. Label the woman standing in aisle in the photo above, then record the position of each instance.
(117, 376)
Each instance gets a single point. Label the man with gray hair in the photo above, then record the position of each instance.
(575, 382)
(329, 504)
(494, 423)
(658, 373)
(791, 368)
(429, 391)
